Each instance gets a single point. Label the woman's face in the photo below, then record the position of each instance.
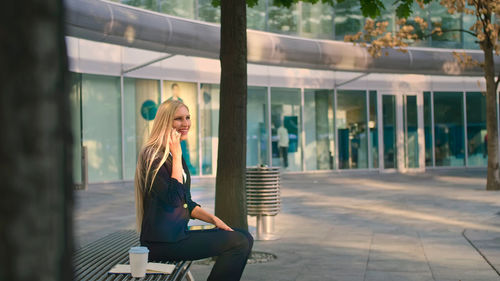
(182, 121)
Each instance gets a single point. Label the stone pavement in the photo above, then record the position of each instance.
(440, 225)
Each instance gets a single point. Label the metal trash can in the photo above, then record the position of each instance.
(263, 199)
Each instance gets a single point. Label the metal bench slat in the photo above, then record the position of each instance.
(105, 242)
(98, 243)
(106, 256)
(94, 260)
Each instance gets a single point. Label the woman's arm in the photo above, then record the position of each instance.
(199, 213)
(176, 151)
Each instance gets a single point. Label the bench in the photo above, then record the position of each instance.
(93, 261)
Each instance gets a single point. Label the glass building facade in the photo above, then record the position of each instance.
(380, 122)
(328, 129)
(321, 20)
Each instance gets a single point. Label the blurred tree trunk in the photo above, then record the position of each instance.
(230, 197)
(493, 178)
(35, 147)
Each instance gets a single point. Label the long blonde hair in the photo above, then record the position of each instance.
(153, 154)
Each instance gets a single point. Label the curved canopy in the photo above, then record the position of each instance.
(129, 26)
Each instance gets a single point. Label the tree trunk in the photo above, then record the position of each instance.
(230, 197)
(493, 178)
(35, 147)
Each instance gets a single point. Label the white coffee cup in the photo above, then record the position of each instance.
(138, 257)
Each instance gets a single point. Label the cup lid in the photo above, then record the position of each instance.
(139, 250)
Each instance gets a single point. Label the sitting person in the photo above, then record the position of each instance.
(164, 205)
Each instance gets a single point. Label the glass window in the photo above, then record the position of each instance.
(318, 127)
(316, 20)
(181, 8)
(411, 131)
(257, 128)
(141, 98)
(286, 129)
(187, 93)
(469, 41)
(209, 111)
(101, 126)
(348, 19)
(256, 16)
(423, 40)
(476, 129)
(207, 12)
(75, 99)
(449, 128)
(428, 129)
(441, 18)
(372, 124)
(351, 129)
(282, 19)
(389, 134)
(153, 5)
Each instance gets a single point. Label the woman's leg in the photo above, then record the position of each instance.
(232, 249)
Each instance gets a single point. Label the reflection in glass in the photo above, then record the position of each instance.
(187, 93)
(389, 134)
(469, 40)
(282, 19)
(257, 142)
(285, 128)
(373, 129)
(348, 19)
(256, 16)
(316, 20)
(75, 98)
(351, 129)
(141, 98)
(449, 128)
(181, 8)
(411, 131)
(322, 21)
(101, 126)
(439, 17)
(476, 129)
(153, 5)
(428, 129)
(318, 126)
(207, 11)
(209, 110)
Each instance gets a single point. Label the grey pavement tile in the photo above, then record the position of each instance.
(464, 274)
(398, 265)
(331, 223)
(372, 275)
(464, 263)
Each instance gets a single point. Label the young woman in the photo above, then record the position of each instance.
(164, 205)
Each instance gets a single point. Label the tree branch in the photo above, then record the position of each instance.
(453, 30)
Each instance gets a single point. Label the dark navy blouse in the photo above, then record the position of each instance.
(167, 207)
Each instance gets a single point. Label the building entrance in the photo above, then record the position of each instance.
(401, 132)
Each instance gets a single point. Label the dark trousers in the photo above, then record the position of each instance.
(232, 249)
(284, 154)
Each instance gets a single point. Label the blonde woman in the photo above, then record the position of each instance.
(164, 205)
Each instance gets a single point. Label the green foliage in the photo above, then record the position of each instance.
(371, 8)
(403, 10)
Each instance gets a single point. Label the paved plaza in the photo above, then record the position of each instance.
(440, 225)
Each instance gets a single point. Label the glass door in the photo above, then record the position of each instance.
(410, 127)
(401, 132)
(389, 149)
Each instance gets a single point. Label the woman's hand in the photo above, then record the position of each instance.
(175, 143)
(220, 224)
